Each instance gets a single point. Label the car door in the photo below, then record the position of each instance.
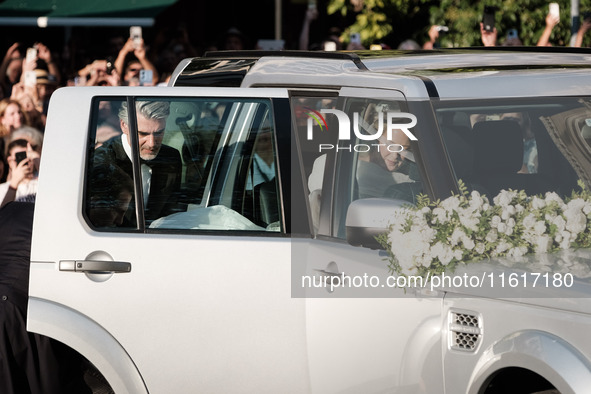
(181, 281)
(364, 334)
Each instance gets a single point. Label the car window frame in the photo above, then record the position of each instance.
(277, 101)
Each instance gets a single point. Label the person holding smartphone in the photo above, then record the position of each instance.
(131, 59)
(585, 26)
(552, 20)
(22, 180)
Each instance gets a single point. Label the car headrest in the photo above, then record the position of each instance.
(498, 146)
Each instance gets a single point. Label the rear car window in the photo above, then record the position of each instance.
(183, 164)
(536, 145)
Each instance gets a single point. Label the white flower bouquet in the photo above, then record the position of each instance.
(433, 237)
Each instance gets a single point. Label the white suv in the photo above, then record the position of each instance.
(277, 191)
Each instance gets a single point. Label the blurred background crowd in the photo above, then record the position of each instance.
(36, 61)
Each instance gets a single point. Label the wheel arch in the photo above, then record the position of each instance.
(86, 337)
(540, 352)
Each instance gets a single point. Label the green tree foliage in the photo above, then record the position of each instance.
(527, 16)
(379, 18)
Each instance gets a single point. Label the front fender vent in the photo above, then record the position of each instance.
(465, 330)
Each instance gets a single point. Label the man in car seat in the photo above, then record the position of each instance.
(160, 165)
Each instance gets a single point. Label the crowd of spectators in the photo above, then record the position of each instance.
(28, 76)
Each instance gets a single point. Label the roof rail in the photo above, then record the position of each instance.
(552, 49)
(309, 54)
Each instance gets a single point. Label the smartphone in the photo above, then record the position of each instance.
(135, 32)
(329, 46)
(488, 19)
(145, 77)
(555, 10)
(355, 38)
(110, 65)
(30, 78)
(312, 4)
(20, 156)
(271, 45)
(80, 81)
(31, 54)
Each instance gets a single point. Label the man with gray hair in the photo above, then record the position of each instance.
(160, 164)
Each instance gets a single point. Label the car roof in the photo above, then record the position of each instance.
(451, 72)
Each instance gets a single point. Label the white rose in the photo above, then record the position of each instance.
(470, 222)
(492, 236)
(446, 257)
(504, 198)
(451, 203)
(552, 196)
(456, 236)
(540, 227)
(559, 222)
(538, 203)
(565, 243)
(479, 248)
(495, 221)
(568, 235)
(440, 214)
(529, 221)
(502, 247)
(468, 243)
(576, 204)
(576, 222)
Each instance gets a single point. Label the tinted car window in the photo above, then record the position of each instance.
(522, 144)
(200, 164)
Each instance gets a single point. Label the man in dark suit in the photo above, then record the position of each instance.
(160, 167)
(29, 363)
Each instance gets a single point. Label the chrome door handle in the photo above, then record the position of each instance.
(328, 273)
(95, 266)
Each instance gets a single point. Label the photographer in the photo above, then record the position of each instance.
(98, 73)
